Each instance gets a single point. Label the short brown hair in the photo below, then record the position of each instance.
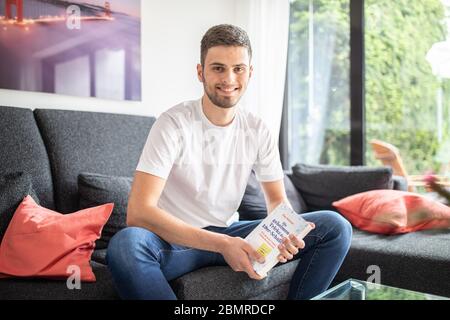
(224, 35)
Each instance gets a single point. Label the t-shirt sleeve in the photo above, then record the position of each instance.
(268, 164)
(161, 148)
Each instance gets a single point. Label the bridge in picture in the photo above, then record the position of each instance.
(26, 12)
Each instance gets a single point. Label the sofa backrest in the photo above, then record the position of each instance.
(78, 141)
(22, 149)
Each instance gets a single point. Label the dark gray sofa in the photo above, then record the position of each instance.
(55, 146)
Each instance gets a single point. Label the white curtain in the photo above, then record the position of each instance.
(267, 24)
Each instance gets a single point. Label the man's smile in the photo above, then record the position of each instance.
(227, 90)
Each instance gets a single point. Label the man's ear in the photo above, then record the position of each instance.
(200, 72)
(250, 72)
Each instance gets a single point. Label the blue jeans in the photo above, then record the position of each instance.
(142, 263)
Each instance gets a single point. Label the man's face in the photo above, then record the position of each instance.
(225, 74)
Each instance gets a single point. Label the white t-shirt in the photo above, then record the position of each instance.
(207, 167)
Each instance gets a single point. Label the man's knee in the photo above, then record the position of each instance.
(337, 226)
(343, 229)
(128, 243)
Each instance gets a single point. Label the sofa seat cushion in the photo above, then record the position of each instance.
(202, 284)
(44, 289)
(416, 261)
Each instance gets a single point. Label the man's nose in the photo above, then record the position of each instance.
(229, 77)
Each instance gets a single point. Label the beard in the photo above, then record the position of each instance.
(221, 101)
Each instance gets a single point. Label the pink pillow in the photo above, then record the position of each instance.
(393, 211)
(43, 243)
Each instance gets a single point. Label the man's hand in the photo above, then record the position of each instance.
(290, 247)
(238, 253)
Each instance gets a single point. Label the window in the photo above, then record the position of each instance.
(317, 89)
(407, 104)
(406, 90)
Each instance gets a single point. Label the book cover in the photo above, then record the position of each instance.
(266, 237)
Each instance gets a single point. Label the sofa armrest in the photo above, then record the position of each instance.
(400, 183)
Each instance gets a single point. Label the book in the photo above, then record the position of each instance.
(266, 237)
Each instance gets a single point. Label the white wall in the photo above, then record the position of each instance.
(171, 34)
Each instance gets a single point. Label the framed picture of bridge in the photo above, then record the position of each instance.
(88, 48)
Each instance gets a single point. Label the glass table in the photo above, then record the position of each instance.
(360, 290)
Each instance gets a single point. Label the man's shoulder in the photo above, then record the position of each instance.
(179, 114)
(252, 120)
(182, 108)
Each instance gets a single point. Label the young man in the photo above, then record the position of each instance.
(191, 178)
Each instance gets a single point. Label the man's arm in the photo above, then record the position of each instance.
(143, 212)
(274, 193)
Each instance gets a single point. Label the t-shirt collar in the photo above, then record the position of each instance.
(207, 122)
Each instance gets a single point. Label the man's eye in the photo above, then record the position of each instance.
(220, 69)
(239, 69)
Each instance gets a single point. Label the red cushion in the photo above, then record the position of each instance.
(393, 211)
(43, 243)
